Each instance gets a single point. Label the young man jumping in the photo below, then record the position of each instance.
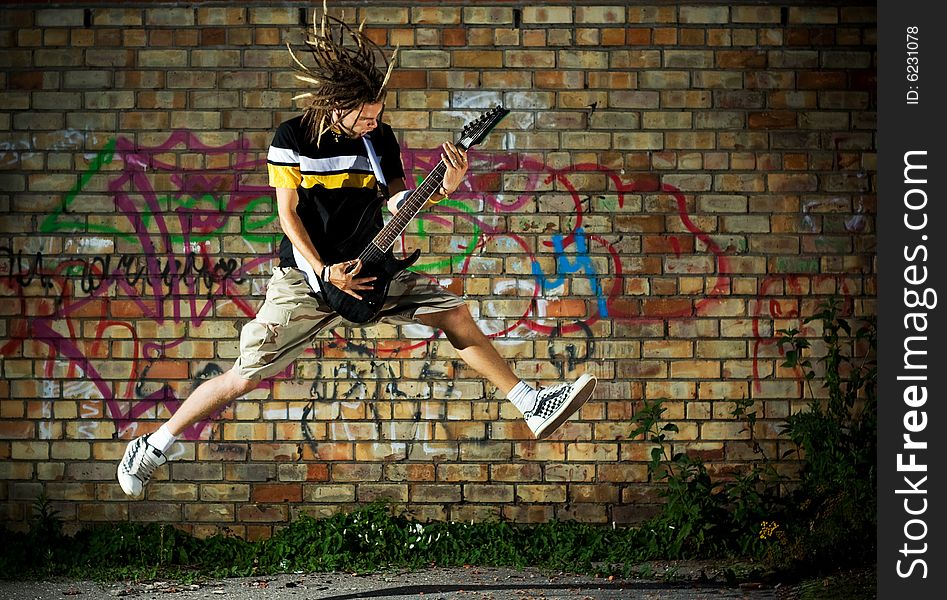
(322, 171)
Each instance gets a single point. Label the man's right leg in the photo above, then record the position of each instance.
(142, 458)
(208, 398)
(283, 328)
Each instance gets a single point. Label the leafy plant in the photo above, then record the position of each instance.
(701, 517)
(835, 502)
(828, 520)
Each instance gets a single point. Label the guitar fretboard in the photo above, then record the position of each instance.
(411, 207)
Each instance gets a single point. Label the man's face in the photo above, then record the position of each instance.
(360, 121)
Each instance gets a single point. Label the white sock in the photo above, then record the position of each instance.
(523, 396)
(162, 439)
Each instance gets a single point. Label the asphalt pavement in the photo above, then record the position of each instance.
(471, 583)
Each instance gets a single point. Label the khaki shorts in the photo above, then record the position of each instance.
(291, 317)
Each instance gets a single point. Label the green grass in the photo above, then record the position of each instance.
(365, 540)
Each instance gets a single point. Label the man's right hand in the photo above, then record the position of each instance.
(343, 276)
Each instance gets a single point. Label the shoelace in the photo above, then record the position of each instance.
(146, 464)
(552, 399)
(146, 467)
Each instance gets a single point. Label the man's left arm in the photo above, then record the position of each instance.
(455, 160)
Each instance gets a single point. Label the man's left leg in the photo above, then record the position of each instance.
(544, 409)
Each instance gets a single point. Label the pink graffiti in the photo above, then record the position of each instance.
(55, 323)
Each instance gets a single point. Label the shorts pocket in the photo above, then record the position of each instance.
(271, 313)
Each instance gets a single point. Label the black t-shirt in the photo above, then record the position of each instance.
(335, 181)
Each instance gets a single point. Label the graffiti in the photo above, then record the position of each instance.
(360, 391)
(195, 273)
(171, 272)
(565, 266)
(566, 354)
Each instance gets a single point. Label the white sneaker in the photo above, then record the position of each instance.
(557, 403)
(136, 467)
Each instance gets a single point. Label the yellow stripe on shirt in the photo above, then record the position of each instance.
(283, 176)
(339, 180)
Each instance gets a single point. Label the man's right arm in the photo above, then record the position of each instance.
(286, 201)
(342, 275)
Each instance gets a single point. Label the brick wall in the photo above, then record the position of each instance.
(674, 184)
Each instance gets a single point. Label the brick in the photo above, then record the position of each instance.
(483, 59)
(355, 472)
(221, 16)
(410, 472)
(426, 59)
(547, 15)
(496, 493)
(273, 493)
(273, 16)
(801, 182)
(529, 59)
(259, 513)
(600, 14)
(462, 472)
(328, 493)
(488, 15)
(198, 472)
(154, 512)
(103, 512)
(704, 14)
(436, 16)
(664, 80)
(226, 492)
(541, 493)
(822, 15)
(582, 59)
(755, 14)
(742, 59)
(60, 18)
(171, 17)
(374, 492)
(569, 472)
(694, 59)
(209, 512)
(597, 452)
(438, 493)
(597, 493)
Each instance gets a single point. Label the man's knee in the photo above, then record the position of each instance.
(239, 384)
(449, 320)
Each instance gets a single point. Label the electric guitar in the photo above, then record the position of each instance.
(374, 250)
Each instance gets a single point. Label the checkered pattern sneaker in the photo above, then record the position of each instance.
(139, 462)
(557, 403)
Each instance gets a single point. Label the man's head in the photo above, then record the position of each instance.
(348, 86)
(359, 121)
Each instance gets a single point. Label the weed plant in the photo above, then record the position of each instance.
(820, 523)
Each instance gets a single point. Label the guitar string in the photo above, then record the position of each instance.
(379, 246)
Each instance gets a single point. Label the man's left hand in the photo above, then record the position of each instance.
(456, 161)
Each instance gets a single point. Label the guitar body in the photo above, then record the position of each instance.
(384, 270)
(381, 265)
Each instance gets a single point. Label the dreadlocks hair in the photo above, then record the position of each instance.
(343, 75)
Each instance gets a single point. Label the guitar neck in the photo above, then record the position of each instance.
(409, 209)
(473, 134)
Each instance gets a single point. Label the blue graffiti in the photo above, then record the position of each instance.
(565, 266)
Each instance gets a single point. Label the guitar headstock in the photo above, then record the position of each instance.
(475, 131)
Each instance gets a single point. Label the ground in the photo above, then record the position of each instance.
(678, 581)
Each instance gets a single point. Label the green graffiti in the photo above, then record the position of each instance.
(453, 260)
(797, 264)
(250, 227)
(251, 222)
(609, 203)
(52, 223)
